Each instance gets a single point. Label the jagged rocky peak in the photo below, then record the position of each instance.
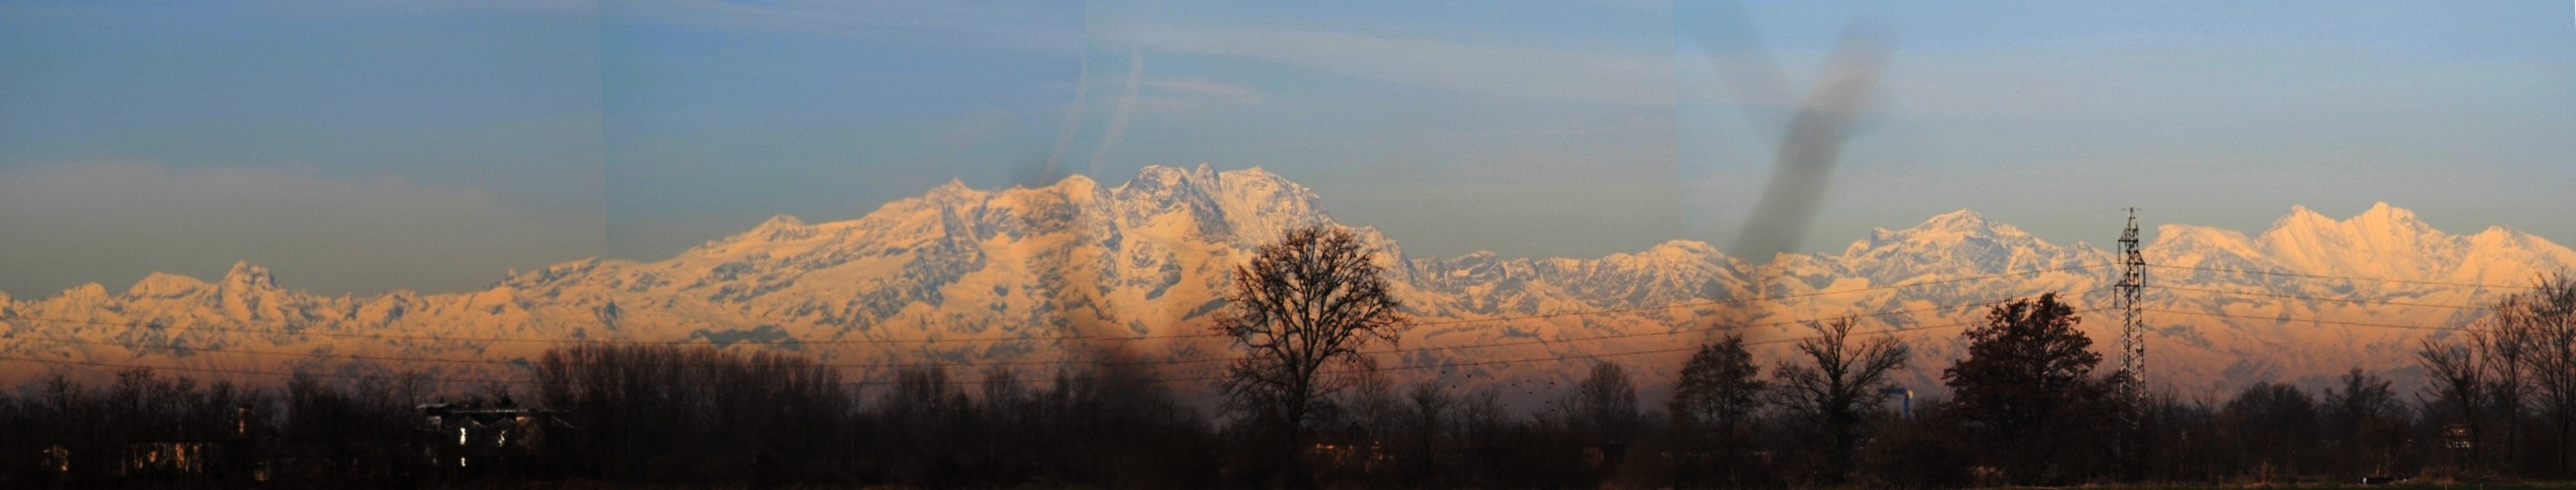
(1238, 206)
(1205, 179)
(246, 276)
(954, 190)
(1158, 178)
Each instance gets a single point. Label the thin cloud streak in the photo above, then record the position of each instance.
(945, 23)
(1194, 90)
(1518, 72)
(1072, 121)
(1119, 114)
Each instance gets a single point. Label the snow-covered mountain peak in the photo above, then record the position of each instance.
(2199, 246)
(1247, 206)
(2301, 216)
(954, 191)
(247, 277)
(1962, 220)
(2501, 237)
(780, 221)
(86, 293)
(1692, 249)
(779, 228)
(1151, 256)
(1072, 185)
(165, 285)
(2383, 240)
(2382, 212)
(1162, 177)
(1944, 230)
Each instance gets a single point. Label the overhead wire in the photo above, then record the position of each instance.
(2348, 278)
(2306, 320)
(925, 364)
(2315, 298)
(557, 340)
(488, 381)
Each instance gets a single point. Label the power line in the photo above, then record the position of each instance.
(488, 361)
(382, 336)
(1721, 328)
(2314, 298)
(2312, 320)
(551, 340)
(248, 372)
(291, 271)
(2348, 278)
(1766, 298)
(377, 377)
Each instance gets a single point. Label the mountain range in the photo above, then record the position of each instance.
(1079, 270)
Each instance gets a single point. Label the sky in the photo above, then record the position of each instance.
(365, 146)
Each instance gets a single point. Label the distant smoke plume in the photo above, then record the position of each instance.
(1118, 116)
(1811, 141)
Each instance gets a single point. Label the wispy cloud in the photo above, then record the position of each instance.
(1119, 115)
(303, 8)
(1512, 71)
(1189, 93)
(965, 23)
(1072, 121)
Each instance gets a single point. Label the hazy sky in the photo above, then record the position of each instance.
(361, 146)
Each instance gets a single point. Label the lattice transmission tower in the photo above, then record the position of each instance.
(2133, 340)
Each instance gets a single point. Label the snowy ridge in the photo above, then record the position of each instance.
(1055, 268)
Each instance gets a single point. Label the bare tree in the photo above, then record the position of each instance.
(2459, 383)
(1832, 384)
(2546, 317)
(2364, 417)
(1603, 407)
(1311, 301)
(2509, 352)
(2274, 427)
(1428, 413)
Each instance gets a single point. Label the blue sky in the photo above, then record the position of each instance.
(363, 146)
